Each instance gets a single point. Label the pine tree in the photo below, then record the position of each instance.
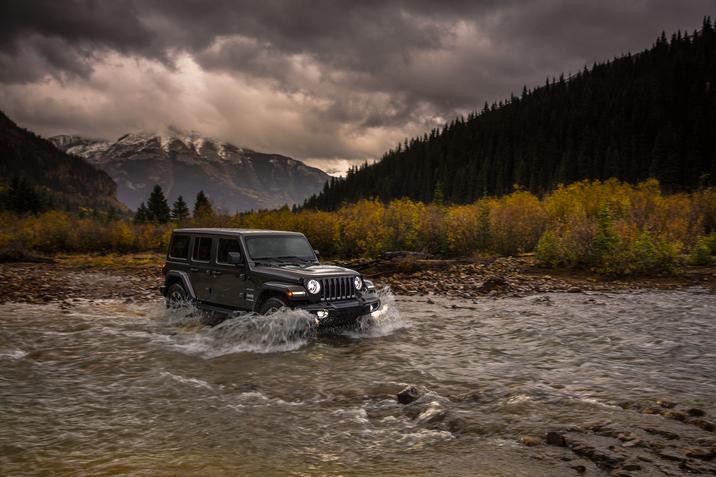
(438, 194)
(22, 197)
(158, 206)
(180, 211)
(202, 206)
(142, 216)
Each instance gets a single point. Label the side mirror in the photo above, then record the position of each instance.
(318, 254)
(234, 258)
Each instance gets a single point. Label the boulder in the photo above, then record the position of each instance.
(408, 395)
(555, 439)
(495, 283)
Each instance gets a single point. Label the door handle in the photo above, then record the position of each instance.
(216, 273)
(193, 269)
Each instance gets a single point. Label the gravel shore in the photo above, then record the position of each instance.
(65, 281)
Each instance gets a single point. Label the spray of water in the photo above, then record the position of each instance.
(383, 322)
(285, 330)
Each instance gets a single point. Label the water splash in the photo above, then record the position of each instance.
(380, 323)
(13, 354)
(285, 330)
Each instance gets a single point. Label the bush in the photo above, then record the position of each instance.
(703, 252)
(517, 221)
(630, 252)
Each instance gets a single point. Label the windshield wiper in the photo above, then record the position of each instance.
(294, 257)
(265, 260)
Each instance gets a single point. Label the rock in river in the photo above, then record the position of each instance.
(408, 395)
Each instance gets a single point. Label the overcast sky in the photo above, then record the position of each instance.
(323, 81)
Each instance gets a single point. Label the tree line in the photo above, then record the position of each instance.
(647, 115)
(157, 210)
(610, 227)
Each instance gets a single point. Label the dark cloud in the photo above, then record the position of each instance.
(355, 76)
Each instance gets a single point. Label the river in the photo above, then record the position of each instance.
(115, 388)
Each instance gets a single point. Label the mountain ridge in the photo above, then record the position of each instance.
(69, 182)
(234, 178)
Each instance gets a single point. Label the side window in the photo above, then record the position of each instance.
(226, 246)
(202, 249)
(179, 247)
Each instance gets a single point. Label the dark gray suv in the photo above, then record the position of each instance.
(229, 270)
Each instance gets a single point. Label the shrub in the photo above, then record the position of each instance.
(467, 228)
(402, 221)
(703, 252)
(516, 223)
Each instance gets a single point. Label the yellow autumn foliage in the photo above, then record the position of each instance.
(608, 226)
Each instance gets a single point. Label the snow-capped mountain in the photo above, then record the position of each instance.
(235, 179)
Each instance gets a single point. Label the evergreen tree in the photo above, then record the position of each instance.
(142, 215)
(180, 211)
(158, 207)
(21, 197)
(438, 194)
(202, 206)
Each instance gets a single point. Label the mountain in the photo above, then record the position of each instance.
(639, 116)
(68, 182)
(185, 163)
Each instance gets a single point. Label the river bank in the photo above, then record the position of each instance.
(137, 277)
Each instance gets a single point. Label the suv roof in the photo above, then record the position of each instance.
(233, 231)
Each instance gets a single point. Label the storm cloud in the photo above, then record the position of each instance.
(330, 82)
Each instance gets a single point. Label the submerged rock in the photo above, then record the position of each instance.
(703, 424)
(666, 404)
(555, 439)
(530, 441)
(408, 395)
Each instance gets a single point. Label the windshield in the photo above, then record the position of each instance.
(279, 247)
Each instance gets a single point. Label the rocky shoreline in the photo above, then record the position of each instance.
(659, 438)
(65, 280)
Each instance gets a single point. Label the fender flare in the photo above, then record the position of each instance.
(184, 279)
(275, 287)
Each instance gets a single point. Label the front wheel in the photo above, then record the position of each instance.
(272, 305)
(176, 296)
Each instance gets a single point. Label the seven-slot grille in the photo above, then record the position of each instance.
(337, 288)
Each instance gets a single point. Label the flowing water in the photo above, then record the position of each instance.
(107, 388)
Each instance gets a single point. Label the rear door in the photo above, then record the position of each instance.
(229, 280)
(200, 268)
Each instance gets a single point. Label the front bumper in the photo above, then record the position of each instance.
(342, 312)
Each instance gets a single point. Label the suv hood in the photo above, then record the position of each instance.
(296, 272)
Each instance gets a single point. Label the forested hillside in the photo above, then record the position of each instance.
(649, 115)
(35, 175)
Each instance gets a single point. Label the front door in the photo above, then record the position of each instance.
(229, 280)
(200, 268)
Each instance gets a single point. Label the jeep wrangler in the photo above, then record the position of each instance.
(262, 271)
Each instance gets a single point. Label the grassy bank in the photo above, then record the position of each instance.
(608, 227)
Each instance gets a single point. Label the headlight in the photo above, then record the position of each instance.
(313, 287)
(358, 282)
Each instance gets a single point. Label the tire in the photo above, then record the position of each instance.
(272, 305)
(177, 296)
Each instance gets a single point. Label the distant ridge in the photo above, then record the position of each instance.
(183, 163)
(69, 182)
(639, 116)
